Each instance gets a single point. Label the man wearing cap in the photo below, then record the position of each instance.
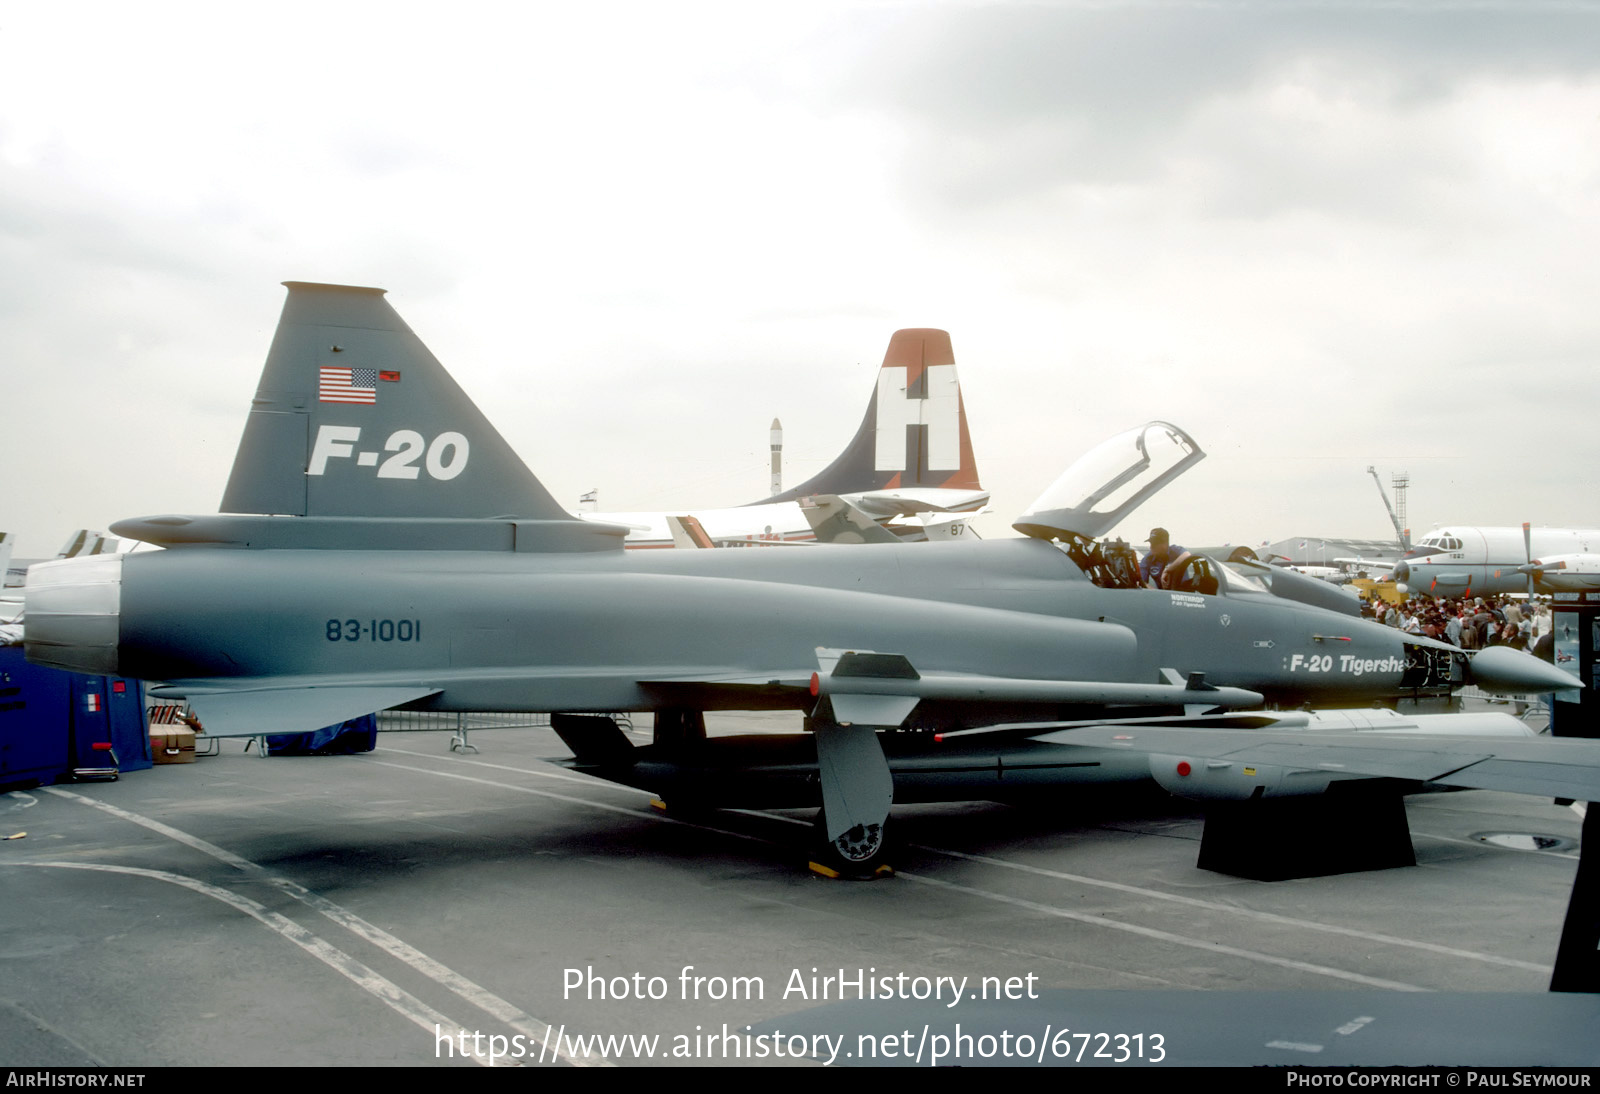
(1162, 551)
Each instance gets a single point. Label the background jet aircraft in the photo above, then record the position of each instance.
(834, 519)
(1356, 565)
(1461, 560)
(394, 551)
(912, 454)
(81, 542)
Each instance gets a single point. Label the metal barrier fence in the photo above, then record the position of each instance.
(167, 711)
(1532, 709)
(435, 721)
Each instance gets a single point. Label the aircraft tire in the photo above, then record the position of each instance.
(860, 854)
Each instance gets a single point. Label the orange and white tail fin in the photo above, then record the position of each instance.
(914, 435)
(688, 532)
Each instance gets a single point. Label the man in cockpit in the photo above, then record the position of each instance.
(1162, 553)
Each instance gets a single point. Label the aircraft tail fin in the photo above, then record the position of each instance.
(688, 533)
(355, 418)
(86, 542)
(915, 430)
(835, 520)
(950, 527)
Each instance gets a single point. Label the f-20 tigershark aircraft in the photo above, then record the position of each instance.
(912, 454)
(391, 550)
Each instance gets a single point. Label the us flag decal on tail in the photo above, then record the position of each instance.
(347, 385)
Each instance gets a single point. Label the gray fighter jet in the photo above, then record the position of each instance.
(381, 545)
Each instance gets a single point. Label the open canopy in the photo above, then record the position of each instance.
(1110, 481)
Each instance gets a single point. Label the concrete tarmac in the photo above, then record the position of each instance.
(415, 906)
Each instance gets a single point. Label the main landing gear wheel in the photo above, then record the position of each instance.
(858, 854)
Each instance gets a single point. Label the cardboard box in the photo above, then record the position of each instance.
(172, 745)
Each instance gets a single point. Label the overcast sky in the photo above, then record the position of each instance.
(1316, 236)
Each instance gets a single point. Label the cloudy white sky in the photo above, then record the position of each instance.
(1317, 236)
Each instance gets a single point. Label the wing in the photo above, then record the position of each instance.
(882, 689)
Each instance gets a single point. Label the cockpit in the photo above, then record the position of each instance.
(1105, 485)
(1110, 481)
(1435, 542)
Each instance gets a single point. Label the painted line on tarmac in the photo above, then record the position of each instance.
(1247, 913)
(373, 983)
(1133, 890)
(473, 993)
(1226, 909)
(1496, 847)
(587, 780)
(1166, 936)
(647, 814)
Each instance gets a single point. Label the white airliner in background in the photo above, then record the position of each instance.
(1462, 560)
(912, 455)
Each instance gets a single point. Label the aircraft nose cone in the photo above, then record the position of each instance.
(1503, 669)
(1402, 572)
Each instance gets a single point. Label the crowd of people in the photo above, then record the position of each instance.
(1473, 623)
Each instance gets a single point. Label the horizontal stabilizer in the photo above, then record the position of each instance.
(887, 504)
(293, 710)
(373, 533)
(835, 520)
